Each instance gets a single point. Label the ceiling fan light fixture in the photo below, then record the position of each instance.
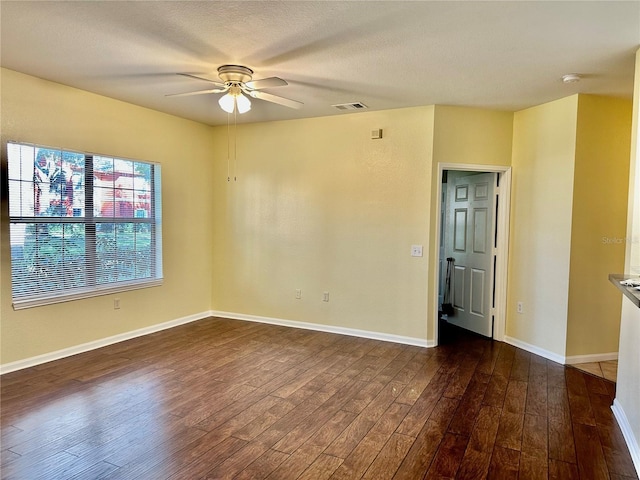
(234, 99)
(227, 103)
(243, 103)
(238, 80)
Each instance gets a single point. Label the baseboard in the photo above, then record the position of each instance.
(554, 357)
(385, 337)
(627, 433)
(597, 357)
(103, 342)
(571, 360)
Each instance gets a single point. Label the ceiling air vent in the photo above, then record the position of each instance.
(350, 106)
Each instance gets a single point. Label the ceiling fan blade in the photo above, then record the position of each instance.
(199, 92)
(218, 84)
(266, 83)
(275, 99)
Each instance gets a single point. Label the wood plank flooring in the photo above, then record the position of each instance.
(225, 399)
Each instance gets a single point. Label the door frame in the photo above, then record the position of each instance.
(502, 253)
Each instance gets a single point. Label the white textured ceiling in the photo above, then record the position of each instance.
(386, 54)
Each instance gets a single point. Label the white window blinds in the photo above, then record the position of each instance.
(81, 225)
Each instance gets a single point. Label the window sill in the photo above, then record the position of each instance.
(83, 293)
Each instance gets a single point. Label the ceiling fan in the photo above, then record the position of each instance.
(237, 80)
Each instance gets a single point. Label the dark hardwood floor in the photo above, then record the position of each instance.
(229, 399)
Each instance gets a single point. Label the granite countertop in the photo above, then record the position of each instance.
(630, 292)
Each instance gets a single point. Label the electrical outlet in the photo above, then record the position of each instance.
(116, 304)
(298, 294)
(416, 250)
(325, 297)
(520, 307)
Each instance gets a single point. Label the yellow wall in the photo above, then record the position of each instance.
(470, 136)
(42, 112)
(540, 242)
(570, 174)
(320, 206)
(599, 217)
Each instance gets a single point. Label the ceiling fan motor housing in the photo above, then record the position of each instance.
(235, 74)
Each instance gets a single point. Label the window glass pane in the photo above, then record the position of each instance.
(106, 253)
(123, 188)
(102, 165)
(123, 203)
(21, 164)
(123, 167)
(114, 190)
(15, 199)
(123, 252)
(142, 178)
(44, 171)
(103, 202)
(74, 196)
(46, 253)
(126, 246)
(142, 190)
(52, 181)
(21, 276)
(74, 254)
(13, 153)
(142, 205)
(143, 251)
(47, 257)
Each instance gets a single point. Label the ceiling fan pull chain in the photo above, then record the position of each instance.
(228, 173)
(235, 146)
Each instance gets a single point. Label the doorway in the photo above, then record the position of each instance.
(472, 230)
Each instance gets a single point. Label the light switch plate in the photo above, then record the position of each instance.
(416, 250)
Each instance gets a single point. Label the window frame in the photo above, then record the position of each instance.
(90, 223)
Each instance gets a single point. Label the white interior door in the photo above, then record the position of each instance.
(470, 227)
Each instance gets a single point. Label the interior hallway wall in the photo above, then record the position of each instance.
(569, 185)
(544, 146)
(599, 222)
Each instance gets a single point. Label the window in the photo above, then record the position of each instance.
(81, 225)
